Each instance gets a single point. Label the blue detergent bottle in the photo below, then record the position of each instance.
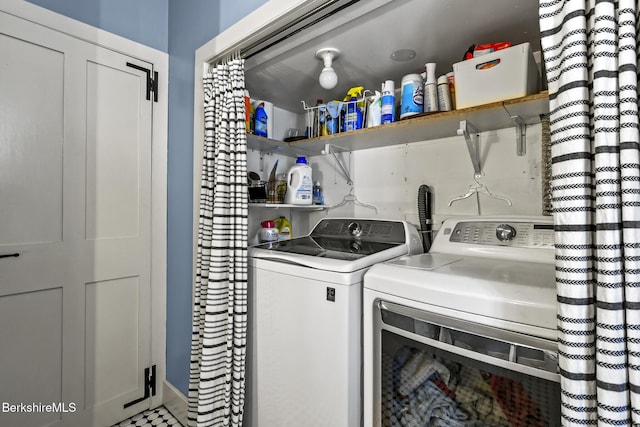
(261, 121)
(353, 118)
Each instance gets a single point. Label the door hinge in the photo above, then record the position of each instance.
(149, 386)
(152, 82)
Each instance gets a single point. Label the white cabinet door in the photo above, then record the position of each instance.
(75, 229)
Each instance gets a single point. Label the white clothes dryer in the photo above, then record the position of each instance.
(466, 333)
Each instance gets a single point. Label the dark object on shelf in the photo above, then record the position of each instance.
(425, 203)
(253, 176)
(258, 192)
(294, 138)
(469, 53)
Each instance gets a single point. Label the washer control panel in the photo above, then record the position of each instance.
(364, 229)
(517, 234)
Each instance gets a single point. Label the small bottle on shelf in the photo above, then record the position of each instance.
(318, 197)
(444, 94)
(452, 88)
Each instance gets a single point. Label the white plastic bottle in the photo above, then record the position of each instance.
(299, 184)
(374, 110)
(268, 232)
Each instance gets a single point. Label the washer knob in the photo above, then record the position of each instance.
(355, 229)
(505, 232)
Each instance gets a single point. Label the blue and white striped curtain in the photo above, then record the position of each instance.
(590, 50)
(217, 377)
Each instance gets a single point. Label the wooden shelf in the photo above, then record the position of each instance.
(282, 205)
(273, 146)
(496, 115)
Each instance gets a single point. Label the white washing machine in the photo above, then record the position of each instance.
(305, 320)
(465, 333)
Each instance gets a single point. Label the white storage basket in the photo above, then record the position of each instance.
(503, 74)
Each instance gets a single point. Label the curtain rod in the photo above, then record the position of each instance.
(289, 30)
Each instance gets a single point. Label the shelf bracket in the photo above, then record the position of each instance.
(521, 132)
(329, 149)
(470, 134)
(521, 135)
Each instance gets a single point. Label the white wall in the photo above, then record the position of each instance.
(389, 179)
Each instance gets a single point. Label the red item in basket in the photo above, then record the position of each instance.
(490, 47)
(446, 390)
(515, 402)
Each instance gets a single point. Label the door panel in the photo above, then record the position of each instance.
(34, 152)
(113, 151)
(75, 166)
(30, 166)
(117, 235)
(112, 336)
(32, 323)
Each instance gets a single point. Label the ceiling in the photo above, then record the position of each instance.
(366, 34)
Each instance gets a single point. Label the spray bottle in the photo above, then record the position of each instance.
(353, 117)
(430, 89)
(374, 112)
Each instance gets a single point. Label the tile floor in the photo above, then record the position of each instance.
(158, 417)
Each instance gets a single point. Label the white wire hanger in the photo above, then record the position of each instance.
(349, 198)
(479, 188)
(470, 134)
(352, 199)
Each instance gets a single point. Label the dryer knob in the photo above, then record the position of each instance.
(355, 229)
(505, 232)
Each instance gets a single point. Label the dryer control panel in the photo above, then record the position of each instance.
(498, 233)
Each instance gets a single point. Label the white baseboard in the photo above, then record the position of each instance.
(175, 402)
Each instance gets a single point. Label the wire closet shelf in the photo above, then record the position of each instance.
(335, 117)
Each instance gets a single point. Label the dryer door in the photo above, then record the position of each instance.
(433, 366)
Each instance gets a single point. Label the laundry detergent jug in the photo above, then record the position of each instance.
(285, 230)
(299, 184)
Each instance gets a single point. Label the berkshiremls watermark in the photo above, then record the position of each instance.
(38, 407)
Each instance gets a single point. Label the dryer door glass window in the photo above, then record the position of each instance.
(436, 374)
(422, 385)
